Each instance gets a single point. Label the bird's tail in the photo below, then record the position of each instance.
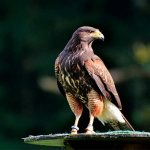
(112, 116)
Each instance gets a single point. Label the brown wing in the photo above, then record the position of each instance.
(56, 66)
(57, 73)
(102, 78)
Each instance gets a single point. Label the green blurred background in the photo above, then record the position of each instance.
(34, 32)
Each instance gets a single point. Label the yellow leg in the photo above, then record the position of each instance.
(89, 129)
(95, 106)
(77, 108)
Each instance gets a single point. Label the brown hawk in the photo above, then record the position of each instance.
(83, 79)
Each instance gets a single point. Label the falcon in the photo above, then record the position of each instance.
(83, 79)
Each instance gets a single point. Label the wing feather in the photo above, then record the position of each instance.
(57, 73)
(102, 78)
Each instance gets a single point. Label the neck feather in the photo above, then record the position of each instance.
(75, 44)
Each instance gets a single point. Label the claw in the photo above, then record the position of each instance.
(74, 131)
(89, 130)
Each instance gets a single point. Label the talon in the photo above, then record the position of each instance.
(89, 130)
(74, 131)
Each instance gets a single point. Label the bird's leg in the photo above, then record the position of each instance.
(75, 127)
(89, 129)
(95, 106)
(77, 108)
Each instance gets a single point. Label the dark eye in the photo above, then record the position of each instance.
(90, 31)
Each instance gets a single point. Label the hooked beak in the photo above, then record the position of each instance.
(97, 35)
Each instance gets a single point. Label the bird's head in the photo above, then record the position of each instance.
(88, 34)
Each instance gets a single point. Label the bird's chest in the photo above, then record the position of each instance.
(75, 80)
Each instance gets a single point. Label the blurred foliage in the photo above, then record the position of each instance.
(142, 53)
(33, 33)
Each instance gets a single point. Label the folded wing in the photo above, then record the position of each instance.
(103, 79)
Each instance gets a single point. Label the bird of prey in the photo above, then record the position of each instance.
(83, 79)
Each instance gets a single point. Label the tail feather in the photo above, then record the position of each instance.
(112, 116)
(128, 124)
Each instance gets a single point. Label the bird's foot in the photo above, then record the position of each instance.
(74, 130)
(89, 130)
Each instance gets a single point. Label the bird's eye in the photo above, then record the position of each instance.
(90, 31)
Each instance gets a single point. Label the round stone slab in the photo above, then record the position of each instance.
(47, 140)
(97, 140)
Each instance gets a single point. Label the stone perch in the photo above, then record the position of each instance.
(117, 140)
